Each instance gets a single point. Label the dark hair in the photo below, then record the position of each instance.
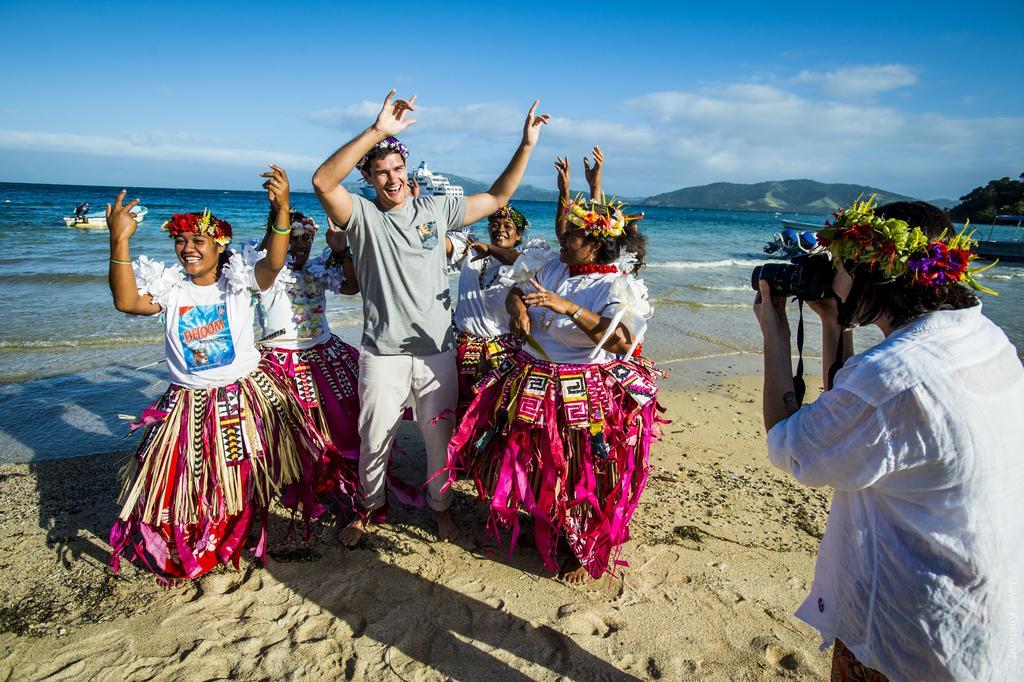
(903, 300)
(378, 152)
(610, 248)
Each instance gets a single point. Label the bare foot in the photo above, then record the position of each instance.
(351, 534)
(573, 573)
(173, 583)
(447, 531)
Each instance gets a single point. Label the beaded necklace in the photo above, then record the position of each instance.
(483, 271)
(592, 268)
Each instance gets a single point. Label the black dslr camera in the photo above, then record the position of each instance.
(807, 276)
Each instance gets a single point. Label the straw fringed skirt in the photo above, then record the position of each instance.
(206, 469)
(324, 380)
(568, 444)
(475, 357)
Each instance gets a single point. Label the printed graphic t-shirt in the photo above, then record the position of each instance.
(401, 264)
(209, 339)
(293, 312)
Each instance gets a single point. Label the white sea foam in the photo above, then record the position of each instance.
(705, 265)
(714, 287)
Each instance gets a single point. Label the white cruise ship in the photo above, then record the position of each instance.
(430, 183)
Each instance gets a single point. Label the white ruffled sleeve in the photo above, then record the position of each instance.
(535, 257)
(629, 305)
(157, 280)
(329, 277)
(240, 273)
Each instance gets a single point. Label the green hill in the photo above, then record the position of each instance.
(789, 196)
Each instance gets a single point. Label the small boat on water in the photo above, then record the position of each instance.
(1004, 249)
(98, 220)
(797, 238)
(798, 225)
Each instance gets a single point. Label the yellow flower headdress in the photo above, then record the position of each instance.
(599, 220)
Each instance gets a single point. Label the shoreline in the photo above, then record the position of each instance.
(721, 554)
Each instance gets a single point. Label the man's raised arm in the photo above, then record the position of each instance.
(481, 205)
(335, 199)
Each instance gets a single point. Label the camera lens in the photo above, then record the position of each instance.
(755, 277)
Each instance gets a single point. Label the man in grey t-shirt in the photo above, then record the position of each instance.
(400, 247)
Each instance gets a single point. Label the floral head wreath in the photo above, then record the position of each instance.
(200, 223)
(517, 218)
(899, 251)
(301, 223)
(391, 144)
(601, 220)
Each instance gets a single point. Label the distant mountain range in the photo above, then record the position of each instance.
(788, 196)
(784, 196)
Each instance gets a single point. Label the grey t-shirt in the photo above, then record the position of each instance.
(400, 260)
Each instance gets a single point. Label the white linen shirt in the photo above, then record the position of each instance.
(920, 569)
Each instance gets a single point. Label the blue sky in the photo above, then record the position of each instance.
(924, 99)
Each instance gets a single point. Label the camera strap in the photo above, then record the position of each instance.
(837, 364)
(799, 387)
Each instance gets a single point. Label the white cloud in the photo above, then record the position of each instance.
(660, 141)
(856, 82)
(153, 147)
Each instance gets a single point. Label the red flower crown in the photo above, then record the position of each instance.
(200, 223)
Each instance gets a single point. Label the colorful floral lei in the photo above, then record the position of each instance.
(599, 220)
(392, 144)
(897, 250)
(513, 214)
(200, 223)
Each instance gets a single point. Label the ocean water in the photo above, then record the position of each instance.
(70, 364)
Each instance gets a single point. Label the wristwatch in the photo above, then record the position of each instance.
(576, 315)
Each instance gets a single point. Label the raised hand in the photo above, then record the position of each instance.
(120, 220)
(562, 168)
(482, 249)
(532, 126)
(392, 119)
(337, 240)
(278, 190)
(593, 174)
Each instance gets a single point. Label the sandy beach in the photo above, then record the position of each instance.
(722, 553)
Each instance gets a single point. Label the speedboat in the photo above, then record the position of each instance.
(98, 220)
(1011, 248)
(798, 225)
(797, 238)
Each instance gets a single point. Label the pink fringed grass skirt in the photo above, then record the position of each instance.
(324, 380)
(206, 469)
(568, 444)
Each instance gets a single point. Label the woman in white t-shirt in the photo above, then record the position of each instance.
(226, 435)
(563, 428)
(481, 319)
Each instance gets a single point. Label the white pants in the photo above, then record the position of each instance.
(385, 383)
